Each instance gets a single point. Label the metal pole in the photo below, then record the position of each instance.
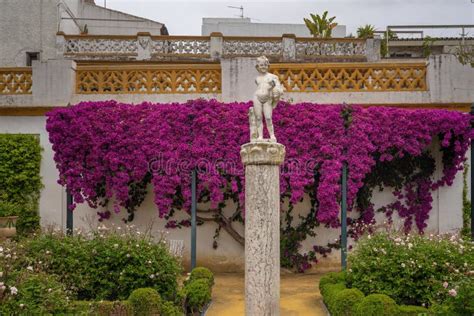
(69, 214)
(193, 217)
(344, 218)
(472, 176)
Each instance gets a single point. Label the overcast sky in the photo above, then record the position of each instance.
(184, 17)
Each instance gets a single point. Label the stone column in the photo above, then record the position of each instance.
(262, 160)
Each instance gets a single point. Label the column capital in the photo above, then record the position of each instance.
(262, 153)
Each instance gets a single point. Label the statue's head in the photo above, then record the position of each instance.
(262, 64)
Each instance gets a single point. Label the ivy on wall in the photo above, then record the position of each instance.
(20, 181)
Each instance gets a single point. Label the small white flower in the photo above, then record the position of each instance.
(13, 290)
(29, 268)
(410, 245)
(1, 274)
(128, 255)
(453, 292)
(116, 245)
(50, 290)
(403, 265)
(1, 249)
(22, 305)
(152, 276)
(445, 284)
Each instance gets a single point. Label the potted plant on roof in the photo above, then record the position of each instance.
(8, 218)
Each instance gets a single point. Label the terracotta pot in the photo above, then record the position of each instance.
(8, 226)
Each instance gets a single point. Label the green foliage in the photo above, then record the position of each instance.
(100, 308)
(20, 181)
(376, 305)
(320, 26)
(202, 273)
(427, 45)
(466, 205)
(37, 294)
(383, 46)
(103, 265)
(145, 301)
(332, 278)
(346, 301)
(412, 269)
(169, 309)
(330, 292)
(462, 302)
(198, 294)
(366, 31)
(411, 310)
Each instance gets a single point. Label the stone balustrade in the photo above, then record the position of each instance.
(16, 80)
(143, 46)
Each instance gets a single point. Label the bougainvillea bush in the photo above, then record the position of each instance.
(109, 152)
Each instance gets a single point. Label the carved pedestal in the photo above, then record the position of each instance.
(262, 227)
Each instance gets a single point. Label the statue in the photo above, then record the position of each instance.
(269, 91)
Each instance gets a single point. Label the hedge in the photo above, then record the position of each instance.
(20, 180)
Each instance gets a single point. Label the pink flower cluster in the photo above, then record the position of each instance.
(102, 148)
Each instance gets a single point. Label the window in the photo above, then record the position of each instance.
(30, 57)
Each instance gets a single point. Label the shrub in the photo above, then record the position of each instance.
(346, 301)
(169, 309)
(412, 269)
(20, 181)
(198, 294)
(33, 294)
(145, 301)
(376, 305)
(104, 265)
(202, 273)
(329, 293)
(410, 310)
(461, 300)
(332, 278)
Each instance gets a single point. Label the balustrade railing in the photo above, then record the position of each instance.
(363, 77)
(143, 46)
(16, 80)
(134, 79)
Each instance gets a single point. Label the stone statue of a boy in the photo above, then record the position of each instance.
(269, 91)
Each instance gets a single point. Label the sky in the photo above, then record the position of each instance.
(184, 17)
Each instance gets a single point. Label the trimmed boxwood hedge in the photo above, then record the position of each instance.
(342, 301)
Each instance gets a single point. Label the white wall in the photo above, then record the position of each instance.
(110, 22)
(446, 215)
(244, 27)
(52, 200)
(31, 26)
(27, 26)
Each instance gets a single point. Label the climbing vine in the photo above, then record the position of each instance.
(108, 151)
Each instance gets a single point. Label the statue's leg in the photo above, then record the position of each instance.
(257, 105)
(267, 112)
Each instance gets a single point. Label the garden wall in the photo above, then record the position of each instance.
(446, 215)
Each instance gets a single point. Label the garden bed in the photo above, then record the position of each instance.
(391, 274)
(102, 273)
